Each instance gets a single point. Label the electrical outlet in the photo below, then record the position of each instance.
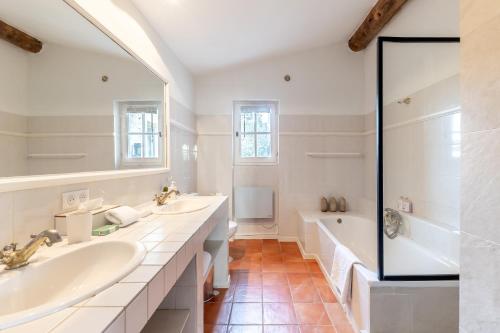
(71, 200)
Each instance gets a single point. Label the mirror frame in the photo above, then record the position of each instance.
(380, 160)
(17, 183)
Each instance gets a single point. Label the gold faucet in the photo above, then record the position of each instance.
(13, 258)
(164, 197)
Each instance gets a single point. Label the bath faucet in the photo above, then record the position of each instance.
(164, 197)
(13, 258)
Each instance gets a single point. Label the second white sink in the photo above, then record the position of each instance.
(181, 206)
(48, 286)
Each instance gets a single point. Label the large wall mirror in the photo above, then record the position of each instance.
(80, 104)
(419, 151)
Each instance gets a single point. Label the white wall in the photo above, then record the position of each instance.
(480, 186)
(13, 107)
(324, 95)
(13, 86)
(25, 212)
(326, 81)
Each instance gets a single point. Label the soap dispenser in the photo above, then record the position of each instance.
(172, 188)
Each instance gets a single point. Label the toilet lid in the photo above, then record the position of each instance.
(232, 225)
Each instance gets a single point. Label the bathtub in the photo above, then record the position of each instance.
(389, 306)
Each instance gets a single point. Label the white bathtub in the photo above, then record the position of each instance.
(389, 306)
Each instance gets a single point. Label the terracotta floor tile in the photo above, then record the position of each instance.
(279, 313)
(274, 279)
(272, 258)
(299, 278)
(296, 267)
(289, 245)
(317, 329)
(253, 242)
(304, 294)
(281, 329)
(318, 279)
(253, 257)
(215, 328)
(276, 267)
(246, 294)
(248, 267)
(246, 314)
(217, 313)
(290, 257)
(311, 314)
(313, 267)
(338, 318)
(326, 294)
(266, 276)
(244, 329)
(275, 249)
(253, 279)
(276, 294)
(292, 249)
(238, 242)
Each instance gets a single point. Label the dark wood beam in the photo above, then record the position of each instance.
(379, 16)
(19, 38)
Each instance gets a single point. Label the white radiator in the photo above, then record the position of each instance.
(253, 202)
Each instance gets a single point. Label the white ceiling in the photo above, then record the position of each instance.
(53, 21)
(211, 34)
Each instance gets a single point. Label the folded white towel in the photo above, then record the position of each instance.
(122, 215)
(343, 262)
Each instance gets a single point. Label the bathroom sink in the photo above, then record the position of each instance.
(49, 285)
(181, 206)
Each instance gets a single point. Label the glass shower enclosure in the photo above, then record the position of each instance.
(418, 158)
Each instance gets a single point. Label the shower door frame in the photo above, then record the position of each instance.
(380, 164)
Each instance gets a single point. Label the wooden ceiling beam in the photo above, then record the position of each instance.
(19, 38)
(379, 16)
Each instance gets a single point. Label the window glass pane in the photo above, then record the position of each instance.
(150, 146)
(247, 145)
(263, 121)
(155, 121)
(263, 145)
(148, 122)
(134, 122)
(134, 146)
(247, 122)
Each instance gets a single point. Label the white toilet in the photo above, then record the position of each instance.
(233, 227)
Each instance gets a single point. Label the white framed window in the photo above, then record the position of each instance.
(255, 128)
(141, 134)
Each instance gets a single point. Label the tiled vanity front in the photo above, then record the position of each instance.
(170, 277)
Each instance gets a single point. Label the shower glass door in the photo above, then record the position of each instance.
(418, 133)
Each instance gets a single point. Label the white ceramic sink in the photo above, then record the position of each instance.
(181, 206)
(49, 285)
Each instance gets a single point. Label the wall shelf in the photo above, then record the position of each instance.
(334, 155)
(63, 156)
(167, 321)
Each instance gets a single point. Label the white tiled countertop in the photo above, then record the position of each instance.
(171, 242)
